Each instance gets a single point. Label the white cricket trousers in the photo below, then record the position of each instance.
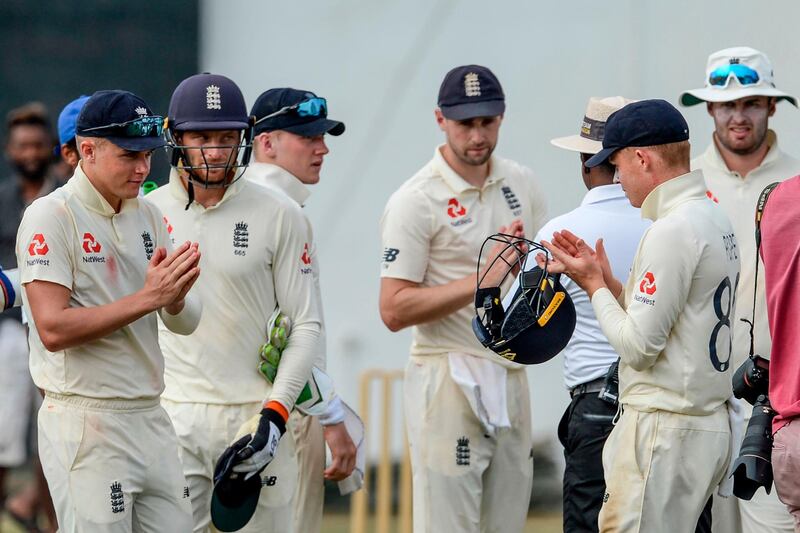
(661, 468)
(204, 432)
(112, 466)
(464, 481)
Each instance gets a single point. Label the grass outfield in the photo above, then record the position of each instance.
(340, 523)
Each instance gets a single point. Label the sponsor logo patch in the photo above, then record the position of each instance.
(648, 284)
(90, 244)
(390, 254)
(305, 258)
(38, 246)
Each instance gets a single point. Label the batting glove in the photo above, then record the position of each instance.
(263, 444)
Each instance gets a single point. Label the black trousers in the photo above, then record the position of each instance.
(583, 431)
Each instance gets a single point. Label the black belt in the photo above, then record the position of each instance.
(596, 385)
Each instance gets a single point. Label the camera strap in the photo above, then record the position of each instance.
(760, 206)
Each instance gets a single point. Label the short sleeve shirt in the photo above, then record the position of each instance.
(432, 230)
(74, 238)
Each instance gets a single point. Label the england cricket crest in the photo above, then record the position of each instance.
(117, 498)
(213, 97)
(241, 238)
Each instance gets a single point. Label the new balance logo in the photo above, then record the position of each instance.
(213, 98)
(472, 85)
(390, 254)
(462, 451)
(117, 498)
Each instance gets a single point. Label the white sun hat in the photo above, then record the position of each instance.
(735, 73)
(590, 140)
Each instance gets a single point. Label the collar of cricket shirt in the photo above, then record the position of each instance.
(673, 193)
(456, 182)
(178, 189)
(276, 177)
(91, 198)
(603, 193)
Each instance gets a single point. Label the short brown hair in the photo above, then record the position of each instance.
(30, 114)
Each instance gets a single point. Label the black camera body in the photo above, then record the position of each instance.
(751, 380)
(753, 467)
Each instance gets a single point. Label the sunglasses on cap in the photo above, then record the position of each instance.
(719, 77)
(313, 107)
(150, 126)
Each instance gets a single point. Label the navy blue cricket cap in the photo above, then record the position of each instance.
(471, 91)
(205, 102)
(642, 123)
(234, 499)
(274, 100)
(106, 113)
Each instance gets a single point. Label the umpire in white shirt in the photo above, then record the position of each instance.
(604, 212)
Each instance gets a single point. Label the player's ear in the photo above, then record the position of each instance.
(440, 120)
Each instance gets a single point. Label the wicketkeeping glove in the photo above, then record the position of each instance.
(277, 339)
(260, 449)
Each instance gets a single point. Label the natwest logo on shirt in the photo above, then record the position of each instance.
(647, 288)
(92, 247)
(90, 244)
(648, 284)
(455, 209)
(457, 212)
(305, 258)
(38, 246)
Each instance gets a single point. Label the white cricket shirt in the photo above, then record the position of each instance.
(255, 257)
(738, 196)
(674, 339)
(432, 230)
(280, 180)
(73, 237)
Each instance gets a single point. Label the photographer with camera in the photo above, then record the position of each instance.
(780, 244)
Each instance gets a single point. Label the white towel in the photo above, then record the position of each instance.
(484, 385)
(736, 420)
(355, 427)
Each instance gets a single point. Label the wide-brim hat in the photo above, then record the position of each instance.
(734, 89)
(590, 138)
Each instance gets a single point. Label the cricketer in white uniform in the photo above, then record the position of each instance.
(95, 262)
(605, 213)
(467, 410)
(257, 260)
(743, 158)
(288, 149)
(671, 445)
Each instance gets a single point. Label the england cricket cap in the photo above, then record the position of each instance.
(471, 91)
(112, 115)
(593, 125)
(234, 499)
(206, 102)
(293, 120)
(735, 73)
(68, 118)
(643, 123)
